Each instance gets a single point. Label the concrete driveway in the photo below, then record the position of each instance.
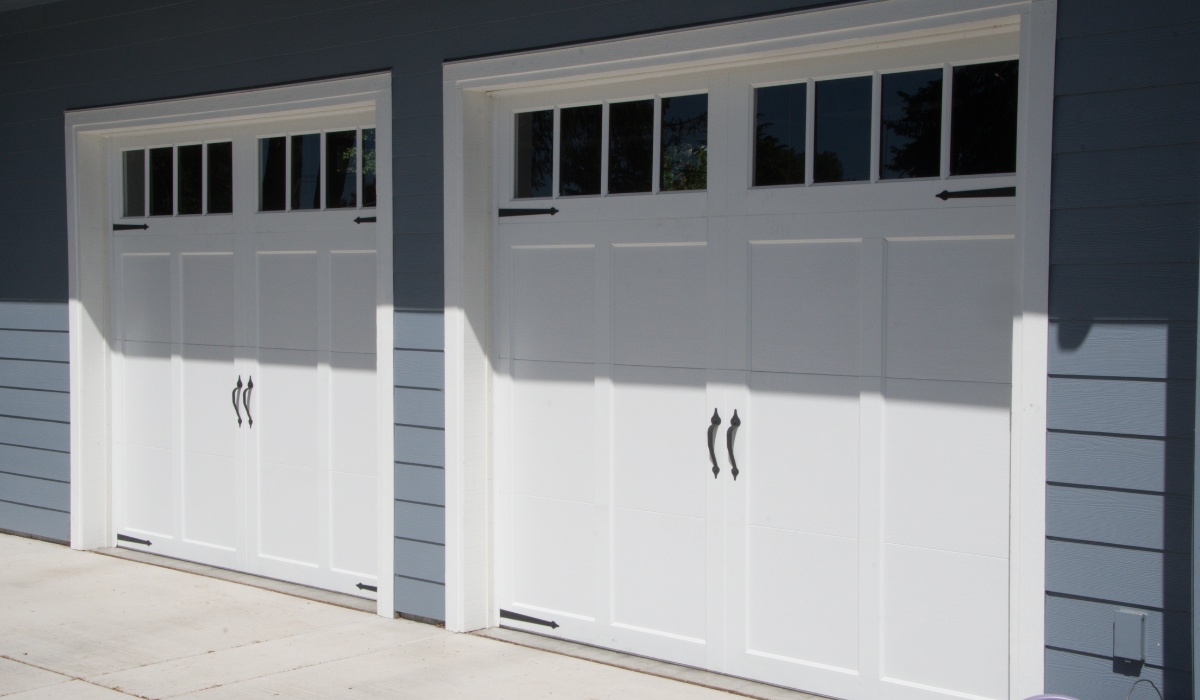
(85, 625)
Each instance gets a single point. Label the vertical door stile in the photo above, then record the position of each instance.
(246, 202)
(175, 389)
(324, 353)
(603, 487)
(871, 452)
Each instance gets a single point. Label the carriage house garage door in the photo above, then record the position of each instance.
(753, 379)
(244, 393)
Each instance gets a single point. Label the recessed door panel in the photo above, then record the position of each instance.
(557, 402)
(804, 301)
(553, 548)
(352, 302)
(949, 309)
(353, 429)
(554, 303)
(146, 297)
(660, 310)
(286, 407)
(148, 394)
(353, 514)
(659, 578)
(287, 300)
(149, 477)
(208, 299)
(210, 500)
(289, 513)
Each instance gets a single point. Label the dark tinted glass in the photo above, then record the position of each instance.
(272, 174)
(983, 119)
(631, 146)
(191, 173)
(368, 165)
(306, 171)
(684, 143)
(780, 114)
(579, 151)
(910, 134)
(135, 183)
(162, 181)
(535, 153)
(220, 178)
(341, 169)
(842, 142)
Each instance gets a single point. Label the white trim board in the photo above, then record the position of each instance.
(89, 241)
(467, 86)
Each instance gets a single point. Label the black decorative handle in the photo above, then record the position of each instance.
(730, 436)
(246, 400)
(712, 438)
(237, 390)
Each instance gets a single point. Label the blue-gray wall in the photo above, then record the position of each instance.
(83, 53)
(1124, 235)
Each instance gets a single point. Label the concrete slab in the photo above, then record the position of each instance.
(75, 690)
(193, 673)
(16, 677)
(462, 666)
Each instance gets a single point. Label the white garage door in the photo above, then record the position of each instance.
(753, 377)
(244, 365)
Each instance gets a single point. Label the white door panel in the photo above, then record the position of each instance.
(286, 300)
(861, 333)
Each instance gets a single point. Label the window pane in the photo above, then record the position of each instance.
(368, 160)
(780, 114)
(272, 174)
(983, 119)
(191, 171)
(684, 143)
(135, 183)
(579, 154)
(535, 153)
(842, 149)
(306, 171)
(631, 146)
(162, 181)
(910, 134)
(220, 178)
(341, 169)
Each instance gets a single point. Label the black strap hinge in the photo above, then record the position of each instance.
(130, 227)
(509, 615)
(364, 219)
(127, 538)
(966, 194)
(367, 587)
(528, 212)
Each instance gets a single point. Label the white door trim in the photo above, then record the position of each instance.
(88, 249)
(469, 215)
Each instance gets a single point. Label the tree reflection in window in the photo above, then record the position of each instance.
(780, 114)
(535, 153)
(983, 127)
(684, 157)
(911, 124)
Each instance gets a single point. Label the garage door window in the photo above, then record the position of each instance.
(326, 170)
(187, 179)
(570, 141)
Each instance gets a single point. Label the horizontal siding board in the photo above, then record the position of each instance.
(26, 432)
(1128, 576)
(420, 407)
(1121, 60)
(1123, 292)
(1146, 520)
(34, 345)
(1084, 17)
(1143, 464)
(419, 521)
(1125, 235)
(33, 316)
(1086, 626)
(1109, 349)
(43, 405)
(39, 493)
(417, 330)
(1150, 408)
(419, 369)
(420, 560)
(1129, 177)
(420, 292)
(420, 484)
(420, 598)
(1091, 678)
(1157, 116)
(26, 374)
(35, 521)
(425, 446)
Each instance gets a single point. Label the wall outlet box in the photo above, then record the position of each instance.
(1129, 635)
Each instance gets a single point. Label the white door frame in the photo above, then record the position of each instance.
(88, 249)
(469, 217)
